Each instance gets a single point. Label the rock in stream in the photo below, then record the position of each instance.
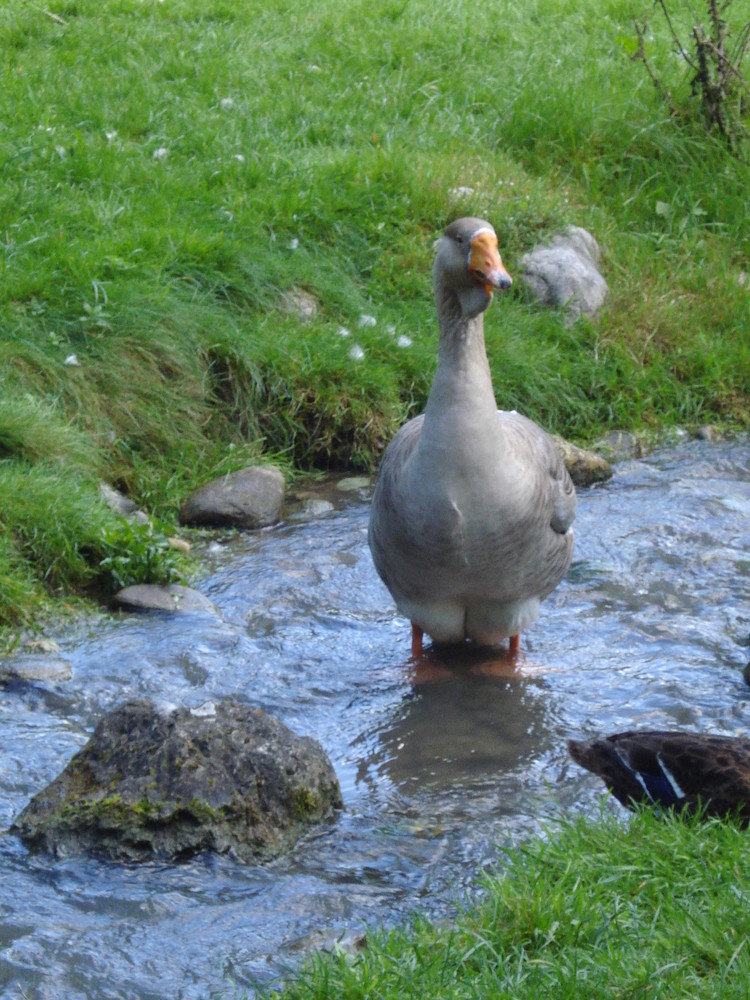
(227, 778)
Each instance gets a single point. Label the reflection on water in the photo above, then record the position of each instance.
(437, 766)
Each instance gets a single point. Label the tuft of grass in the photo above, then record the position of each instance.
(653, 907)
(172, 175)
(54, 518)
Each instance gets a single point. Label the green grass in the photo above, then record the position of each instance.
(652, 908)
(168, 171)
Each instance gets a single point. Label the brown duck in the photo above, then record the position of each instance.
(471, 519)
(672, 769)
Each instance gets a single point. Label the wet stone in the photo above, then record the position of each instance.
(619, 445)
(584, 467)
(225, 777)
(707, 432)
(352, 483)
(251, 498)
(170, 598)
(35, 668)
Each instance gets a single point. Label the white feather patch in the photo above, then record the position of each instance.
(670, 778)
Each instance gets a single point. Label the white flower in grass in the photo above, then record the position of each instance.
(111, 136)
(391, 329)
(365, 320)
(226, 103)
(343, 332)
(356, 353)
(160, 154)
(72, 361)
(404, 341)
(239, 157)
(293, 243)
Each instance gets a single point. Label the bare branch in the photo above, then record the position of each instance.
(676, 37)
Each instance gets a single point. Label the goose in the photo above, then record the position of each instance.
(686, 771)
(471, 518)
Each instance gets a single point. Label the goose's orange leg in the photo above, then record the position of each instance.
(515, 644)
(416, 640)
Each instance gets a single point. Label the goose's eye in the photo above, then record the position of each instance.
(459, 238)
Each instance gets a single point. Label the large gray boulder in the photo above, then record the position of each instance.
(565, 274)
(250, 498)
(227, 778)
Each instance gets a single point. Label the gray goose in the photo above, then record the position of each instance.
(470, 524)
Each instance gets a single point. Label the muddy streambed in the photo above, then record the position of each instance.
(650, 628)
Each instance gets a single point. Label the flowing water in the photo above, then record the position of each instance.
(437, 768)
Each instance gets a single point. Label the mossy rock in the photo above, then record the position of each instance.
(230, 779)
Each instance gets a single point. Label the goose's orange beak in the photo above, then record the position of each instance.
(485, 263)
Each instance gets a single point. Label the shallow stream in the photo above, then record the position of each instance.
(650, 628)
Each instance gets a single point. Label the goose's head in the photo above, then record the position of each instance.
(468, 265)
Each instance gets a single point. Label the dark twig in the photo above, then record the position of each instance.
(715, 66)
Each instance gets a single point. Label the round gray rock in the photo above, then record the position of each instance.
(250, 498)
(227, 778)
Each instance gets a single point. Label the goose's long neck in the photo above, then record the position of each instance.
(462, 378)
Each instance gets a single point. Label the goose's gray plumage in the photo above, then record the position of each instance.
(471, 519)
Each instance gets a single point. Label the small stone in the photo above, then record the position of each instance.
(179, 544)
(301, 304)
(584, 467)
(707, 433)
(34, 668)
(351, 483)
(117, 501)
(41, 644)
(316, 507)
(619, 445)
(172, 598)
(251, 498)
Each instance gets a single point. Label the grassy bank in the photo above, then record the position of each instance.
(169, 171)
(653, 908)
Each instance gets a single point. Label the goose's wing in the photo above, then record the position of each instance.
(415, 530)
(553, 491)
